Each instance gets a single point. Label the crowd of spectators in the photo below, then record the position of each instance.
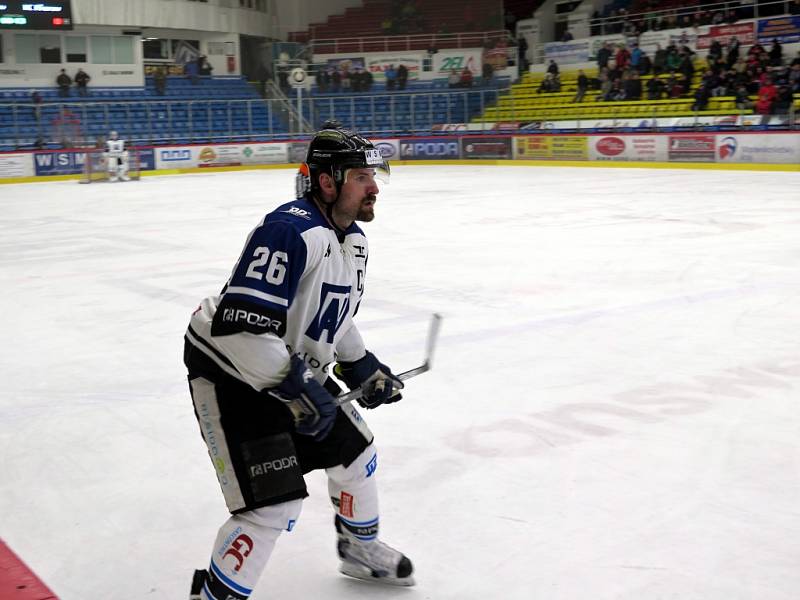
(651, 19)
(727, 71)
(333, 80)
(81, 81)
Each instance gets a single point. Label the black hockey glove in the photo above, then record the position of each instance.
(376, 380)
(313, 407)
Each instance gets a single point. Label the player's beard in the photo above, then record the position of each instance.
(366, 212)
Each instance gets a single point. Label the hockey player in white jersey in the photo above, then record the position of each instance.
(258, 357)
(116, 157)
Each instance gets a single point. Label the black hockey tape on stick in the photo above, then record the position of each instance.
(430, 347)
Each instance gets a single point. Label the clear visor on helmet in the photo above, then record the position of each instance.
(368, 174)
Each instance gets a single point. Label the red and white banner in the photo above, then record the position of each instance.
(744, 32)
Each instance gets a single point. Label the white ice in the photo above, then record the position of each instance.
(613, 411)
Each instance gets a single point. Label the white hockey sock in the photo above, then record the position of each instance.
(243, 547)
(354, 493)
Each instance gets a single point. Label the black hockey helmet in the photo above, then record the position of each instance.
(333, 150)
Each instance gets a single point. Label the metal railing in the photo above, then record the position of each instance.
(383, 43)
(63, 124)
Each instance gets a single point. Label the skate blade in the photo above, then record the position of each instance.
(365, 574)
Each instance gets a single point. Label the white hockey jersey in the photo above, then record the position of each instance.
(115, 147)
(295, 289)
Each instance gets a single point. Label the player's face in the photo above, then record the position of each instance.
(359, 193)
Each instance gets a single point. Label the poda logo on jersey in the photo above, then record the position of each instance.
(299, 212)
(279, 464)
(334, 305)
(727, 147)
(238, 315)
(240, 549)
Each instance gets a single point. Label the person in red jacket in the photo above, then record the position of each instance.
(766, 97)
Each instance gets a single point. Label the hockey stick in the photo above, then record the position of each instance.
(430, 346)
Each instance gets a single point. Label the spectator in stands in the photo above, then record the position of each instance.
(659, 60)
(742, 98)
(674, 86)
(522, 53)
(767, 94)
(794, 78)
(402, 76)
(645, 64)
(453, 78)
(366, 80)
(336, 80)
(733, 51)
(160, 80)
(465, 80)
(603, 56)
(204, 67)
(605, 85)
(633, 86)
(655, 88)
(81, 81)
(776, 53)
(549, 84)
(714, 53)
(796, 60)
(636, 56)
(783, 101)
(552, 68)
(794, 7)
(487, 73)
(323, 80)
(344, 79)
(701, 96)
(623, 57)
(391, 77)
(36, 100)
(617, 92)
(583, 85)
(63, 81)
(190, 70)
(567, 36)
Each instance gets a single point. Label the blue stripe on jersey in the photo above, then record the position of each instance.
(229, 582)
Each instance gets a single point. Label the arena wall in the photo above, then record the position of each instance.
(749, 151)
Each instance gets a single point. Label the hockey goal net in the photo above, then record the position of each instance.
(95, 166)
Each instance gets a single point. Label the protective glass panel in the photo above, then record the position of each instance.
(27, 47)
(123, 50)
(101, 50)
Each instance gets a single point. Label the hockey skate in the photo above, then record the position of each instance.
(372, 560)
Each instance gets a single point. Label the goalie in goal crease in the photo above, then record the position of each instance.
(116, 158)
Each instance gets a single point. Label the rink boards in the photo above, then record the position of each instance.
(756, 150)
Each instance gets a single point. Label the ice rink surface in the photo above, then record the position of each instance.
(613, 411)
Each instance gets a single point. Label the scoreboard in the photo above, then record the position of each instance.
(54, 14)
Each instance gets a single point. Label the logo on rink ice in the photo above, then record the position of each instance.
(727, 147)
